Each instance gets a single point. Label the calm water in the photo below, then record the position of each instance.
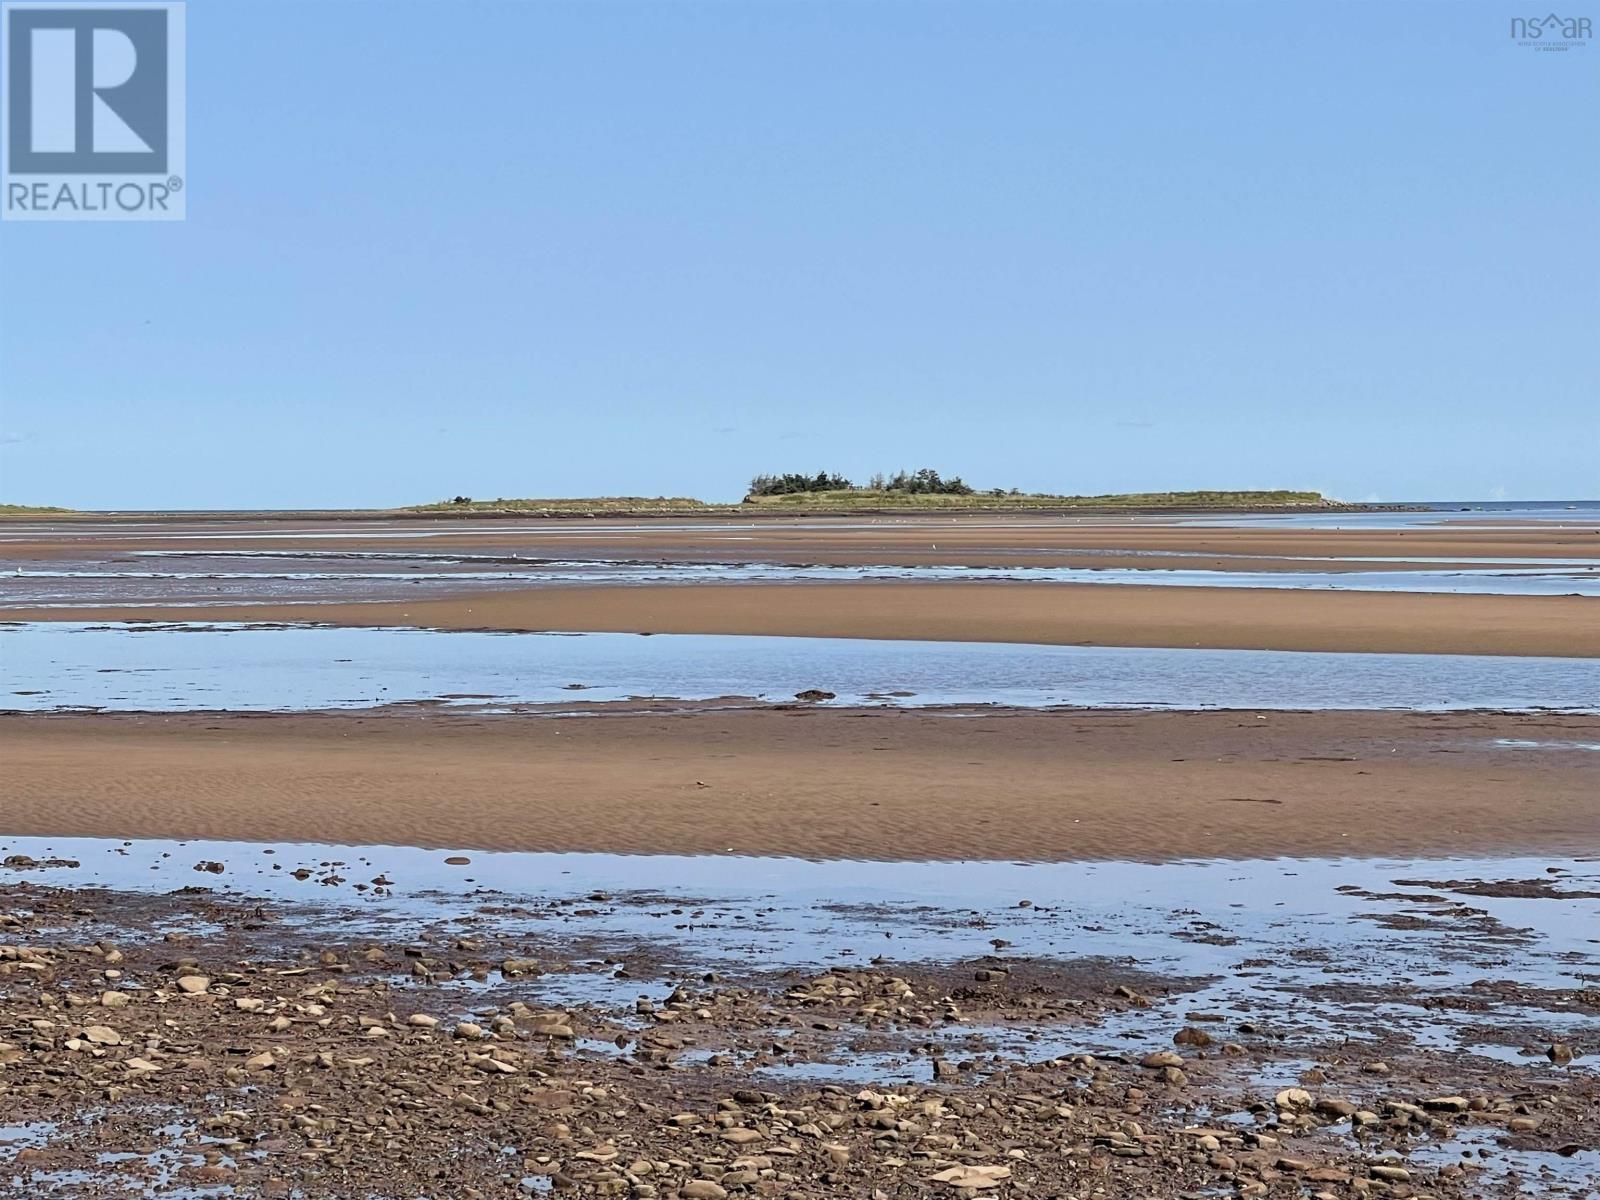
(1272, 938)
(1479, 513)
(244, 577)
(209, 667)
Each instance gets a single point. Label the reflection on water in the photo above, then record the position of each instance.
(1530, 744)
(178, 667)
(1381, 937)
(308, 576)
(1478, 514)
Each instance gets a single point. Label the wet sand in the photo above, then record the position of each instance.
(1055, 614)
(820, 783)
(439, 1022)
(1125, 614)
(1030, 539)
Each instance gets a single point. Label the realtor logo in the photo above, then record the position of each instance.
(93, 111)
(1551, 32)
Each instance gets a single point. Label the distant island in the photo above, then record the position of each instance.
(925, 488)
(866, 499)
(789, 493)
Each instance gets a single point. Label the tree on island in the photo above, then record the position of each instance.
(791, 483)
(927, 482)
(922, 482)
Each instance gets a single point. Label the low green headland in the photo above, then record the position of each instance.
(868, 499)
(30, 510)
(620, 505)
(829, 492)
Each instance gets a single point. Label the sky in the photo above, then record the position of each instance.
(604, 247)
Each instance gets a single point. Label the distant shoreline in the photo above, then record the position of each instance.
(644, 508)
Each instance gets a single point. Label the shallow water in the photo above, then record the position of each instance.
(1480, 514)
(1308, 946)
(185, 667)
(1558, 744)
(310, 577)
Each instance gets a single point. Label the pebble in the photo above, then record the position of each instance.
(702, 1189)
(1159, 1059)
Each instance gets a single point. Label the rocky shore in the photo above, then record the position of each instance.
(190, 1044)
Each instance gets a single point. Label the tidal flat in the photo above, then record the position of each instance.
(1079, 856)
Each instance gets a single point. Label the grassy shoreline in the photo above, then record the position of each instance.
(862, 501)
(855, 502)
(33, 510)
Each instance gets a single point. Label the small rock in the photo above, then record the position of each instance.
(975, 1176)
(1293, 1100)
(1158, 1059)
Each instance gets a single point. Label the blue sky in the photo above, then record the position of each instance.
(595, 247)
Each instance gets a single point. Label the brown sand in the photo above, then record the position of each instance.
(1021, 539)
(1062, 614)
(820, 783)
